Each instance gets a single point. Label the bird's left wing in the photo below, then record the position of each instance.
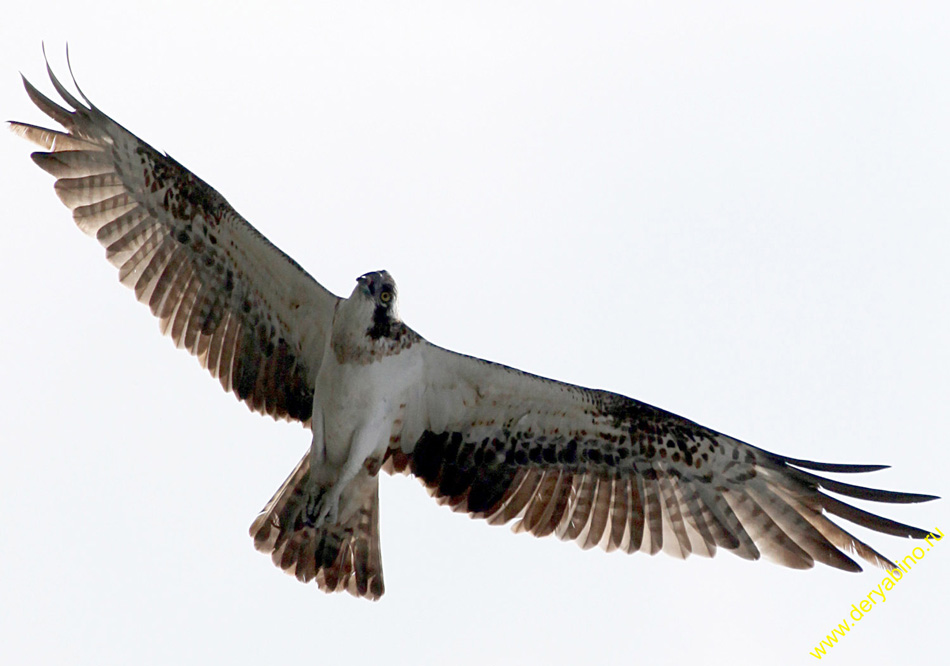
(602, 469)
(250, 314)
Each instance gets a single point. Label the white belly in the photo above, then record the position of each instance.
(361, 403)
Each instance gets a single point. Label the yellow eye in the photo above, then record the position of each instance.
(386, 296)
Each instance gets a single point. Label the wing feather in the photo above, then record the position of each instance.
(73, 166)
(673, 520)
(251, 315)
(618, 513)
(635, 515)
(583, 486)
(600, 512)
(516, 505)
(653, 541)
(696, 519)
(604, 470)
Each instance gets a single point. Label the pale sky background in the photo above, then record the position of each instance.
(737, 211)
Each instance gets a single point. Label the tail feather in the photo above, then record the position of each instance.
(342, 556)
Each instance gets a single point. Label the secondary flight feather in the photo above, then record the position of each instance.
(585, 465)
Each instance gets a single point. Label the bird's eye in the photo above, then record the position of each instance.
(386, 296)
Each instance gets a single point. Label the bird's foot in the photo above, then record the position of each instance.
(322, 507)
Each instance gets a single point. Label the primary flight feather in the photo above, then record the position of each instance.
(585, 465)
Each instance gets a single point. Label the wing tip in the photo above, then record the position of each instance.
(838, 468)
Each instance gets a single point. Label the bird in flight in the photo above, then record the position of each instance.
(503, 445)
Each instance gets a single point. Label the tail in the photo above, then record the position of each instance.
(344, 556)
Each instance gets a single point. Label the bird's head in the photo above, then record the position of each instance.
(379, 289)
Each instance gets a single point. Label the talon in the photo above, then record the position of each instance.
(321, 508)
(330, 510)
(312, 506)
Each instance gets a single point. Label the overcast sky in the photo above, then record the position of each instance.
(737, 211)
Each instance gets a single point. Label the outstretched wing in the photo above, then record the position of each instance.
(602, 469)
(253, 317)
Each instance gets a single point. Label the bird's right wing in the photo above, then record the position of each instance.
(253, 317)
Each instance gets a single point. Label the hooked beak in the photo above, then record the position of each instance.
(371, 283)
(364, 285)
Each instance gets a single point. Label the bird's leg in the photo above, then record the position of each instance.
(318, 445)
(326, 506)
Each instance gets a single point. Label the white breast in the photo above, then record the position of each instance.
(365, 398)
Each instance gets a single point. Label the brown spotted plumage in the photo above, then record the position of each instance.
(218, 287)
(604, 470)
(584, 465)
(344, 556)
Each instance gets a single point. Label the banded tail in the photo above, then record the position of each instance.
(342, 556)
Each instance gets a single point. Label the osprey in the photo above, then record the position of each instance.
(585, 465)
